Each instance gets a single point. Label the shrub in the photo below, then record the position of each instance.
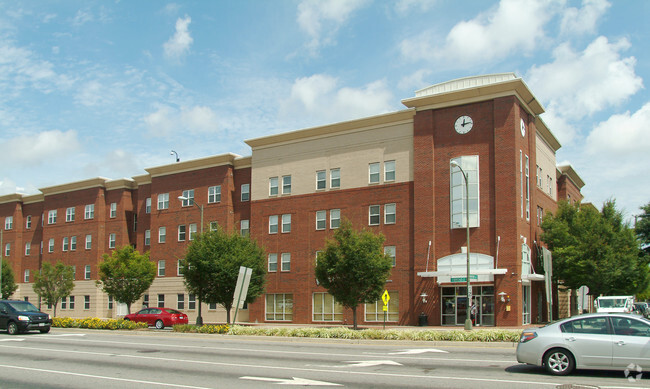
(97, 323)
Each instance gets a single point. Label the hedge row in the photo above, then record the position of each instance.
(97, 323)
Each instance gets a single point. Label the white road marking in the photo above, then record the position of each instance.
(12, 340)
(371, 363)
(291, 381)
(420, 351)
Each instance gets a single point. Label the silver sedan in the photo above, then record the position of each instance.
(607, 341)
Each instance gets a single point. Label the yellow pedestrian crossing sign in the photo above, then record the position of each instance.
(385, 298)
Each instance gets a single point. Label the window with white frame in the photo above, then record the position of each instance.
(69, 214)
(86, 302)
(244, 227)
(9, 222)
(540, 180)
(89, 211)
(390, 213)
(214, 226)
(245, 192)
(26, 275)
(335, 178)
(375, 311)
(521, 182)
(111, 241)
(469, 164)
(279, 307)
(286, 223)
(113, 211)
(273, 262)
(87, 272)
(147, 237)
(321, 180)
(192, 231)
(145, 301)
(550, 185)
(179, 267)
(161, 300)
(273, 224)
(526, 304)
(161, 268)
(28, 248)
(180, 301)
(66, 243)
(335, 218)
(214, 194)
(191, 301)
(89, 242)
(71, 302)
(527, 184)
(51, 217)
(110, 303)
(7, 249)
(163, 200)
(391, 252)
(181, 233)
(389, 171)
(74, 272)
(73, 243)
(374, 215)
(147, 205)
(162, 234)
(28, 222)
(321, 220)
(188, 198)
(286, 262)
(325, 308)
(50, 246)
(286, 185)
(273, 186)
(373, 172)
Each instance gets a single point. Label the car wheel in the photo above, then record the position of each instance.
(559, 361)
(12, 328)
(45, 330)
(160, 325)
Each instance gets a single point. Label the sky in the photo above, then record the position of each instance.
(109, 88)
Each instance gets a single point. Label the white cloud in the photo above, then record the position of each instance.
(415, 81)
(621, 135)
(405, 6)
(179, 44)
(114, 164)
(40, 148)
(167, 120)
(582, 83)
(321, 19)
(82, 17)
(583, 20)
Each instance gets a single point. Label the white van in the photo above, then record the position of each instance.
(620, 304)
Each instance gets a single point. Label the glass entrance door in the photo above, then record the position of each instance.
(454, 305)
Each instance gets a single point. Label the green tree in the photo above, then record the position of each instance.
(8, 281)
(642, 224)
(54, 282)
(211, 267)
(595, 249)
(353, 267)
(126, 275)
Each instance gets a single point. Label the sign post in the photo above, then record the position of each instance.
(385, 298)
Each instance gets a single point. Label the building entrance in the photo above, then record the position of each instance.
(454, 305)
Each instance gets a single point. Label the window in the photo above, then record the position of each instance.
(526, 304)
(321, 180)
(41, 250)
(162, 234)
(145, 301)
(181, 233)
(214, 226)
(286, 223)
(147, 237)
(66, 243)
(113, 213)
(325, 308)
(521, 182)
(286, 262)
(374, 212)
(273, 262)
(192, 231)
(527, 193)
(74, 272)
(147, 205)
(135, 222)
(540, 215)
(161, 301)
(51, 217)
(28, 248)
(110, 302)
(26, 276)
(244, 227)
(375, 311)
(245, 192)
(373, 173)
(273, 224)
(111, 241)
(279, 307)
(9, 222)
(389, 171)
(335, 178)
(179, 267)
(389, 213)
(64, 303)
(7, 249)
(214, 194)
(321, 220)
(71, 302)
(180, 304)
(273, 186)
(212, 306)
(163, 201)
(335, 218)
(469, 164)
(89, 211)
(592, 325)
(191, 301)
(28, 222)
(86, 302)
(87, 272)
(161, 268)
(188, 198)
(550, 185)
(89, 242)
(50, 247)
(286, 185)
(390, 251)
(73, 243)
(539, 177)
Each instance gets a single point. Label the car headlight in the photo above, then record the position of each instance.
(527, 336)
(49, 316)
(23, 318)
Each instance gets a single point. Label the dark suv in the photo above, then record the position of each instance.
(18, 316)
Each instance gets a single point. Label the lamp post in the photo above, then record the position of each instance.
(199, 318)
(468, 320)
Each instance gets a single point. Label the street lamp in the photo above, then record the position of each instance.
(468, 320)
(199, 319)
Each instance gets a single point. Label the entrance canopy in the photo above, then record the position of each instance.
(453, 268)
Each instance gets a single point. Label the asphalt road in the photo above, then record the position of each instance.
(67, 358)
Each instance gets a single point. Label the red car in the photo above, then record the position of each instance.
(158, 317)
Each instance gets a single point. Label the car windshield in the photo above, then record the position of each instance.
(611, 303)
(23, 306)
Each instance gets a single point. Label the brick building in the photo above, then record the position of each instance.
(390, 173)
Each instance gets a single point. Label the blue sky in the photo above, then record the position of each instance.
(108, 88)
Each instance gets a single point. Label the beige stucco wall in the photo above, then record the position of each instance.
(546, 161)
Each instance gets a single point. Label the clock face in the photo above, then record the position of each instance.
(463, 124)
(523, 127)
